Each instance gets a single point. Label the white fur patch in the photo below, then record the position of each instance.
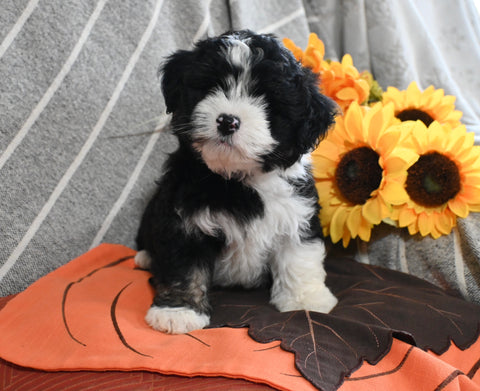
(143, 259)
(176, 320)
(238, 53)
(251, 248)
(299, 278)
(273, 241)
(239, 153)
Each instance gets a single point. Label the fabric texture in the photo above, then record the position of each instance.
(80, 98)
(107, 330)
(89, 315)
(79, 81)
(430, 42)
(15, 378)
(451, 262)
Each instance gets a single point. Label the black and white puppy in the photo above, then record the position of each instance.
(237, 199)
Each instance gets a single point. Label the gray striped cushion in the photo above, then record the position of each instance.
(451, 261)
(77, 77)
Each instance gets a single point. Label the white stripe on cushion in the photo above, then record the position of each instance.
(401, 254)
(53, 87)
(459, 263)
(205, 23)
(287, 19)
(130, 183)
(17, 252)
(18, 26)
(146, 153)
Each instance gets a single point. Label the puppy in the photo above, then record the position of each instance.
(237, 200)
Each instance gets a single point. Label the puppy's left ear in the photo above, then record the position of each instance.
(319, 114)
(172, 75)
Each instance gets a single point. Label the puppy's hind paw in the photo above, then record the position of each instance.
(143, 259)
(176, 320)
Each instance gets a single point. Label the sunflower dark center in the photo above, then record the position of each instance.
(358, 174)
(433, 180)
(414, 115)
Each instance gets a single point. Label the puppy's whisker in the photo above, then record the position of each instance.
(180, 131)
(132, 133)
(164, 124)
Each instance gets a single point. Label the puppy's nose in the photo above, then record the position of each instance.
(227, 124)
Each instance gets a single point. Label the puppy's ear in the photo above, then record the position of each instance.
(319, 113)
(172, 73)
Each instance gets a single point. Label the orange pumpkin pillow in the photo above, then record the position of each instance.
(388, 330)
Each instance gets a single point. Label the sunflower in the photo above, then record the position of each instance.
(340, 81)
(427, 106)
(444, 182)
(359, 171)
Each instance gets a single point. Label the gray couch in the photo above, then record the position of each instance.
(80, 100)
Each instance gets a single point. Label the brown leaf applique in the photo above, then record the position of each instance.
(375, 305)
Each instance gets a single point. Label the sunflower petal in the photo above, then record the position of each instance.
(444, 223)
(347, 60)
(400, 162)
(346, 239)
(374, 123)
(353, 221)
(413, 228)
(394, 193)
(419, 137)
(395, 96)
(474, 207)
(337, 225)
(431, 96)
(388, 141)
(347, 93)
(317, 43)
(454, 117)
(372, 211)
(353, 122)
(297, 52)
(406, 217)
(413, 95)
(435, 233)
(323, 167)
(458, 207)
(455, 141)
(364, 230)
(425, 224)
(328, 150)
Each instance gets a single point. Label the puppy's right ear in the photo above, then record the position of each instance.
(172, 73)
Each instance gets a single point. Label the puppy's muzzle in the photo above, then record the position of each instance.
(227, 124)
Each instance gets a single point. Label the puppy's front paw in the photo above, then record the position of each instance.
(318, 300)
(143, 259)
(176, 320)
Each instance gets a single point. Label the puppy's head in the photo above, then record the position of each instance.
(244, 103)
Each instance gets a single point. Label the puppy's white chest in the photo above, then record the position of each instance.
(250, 247)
